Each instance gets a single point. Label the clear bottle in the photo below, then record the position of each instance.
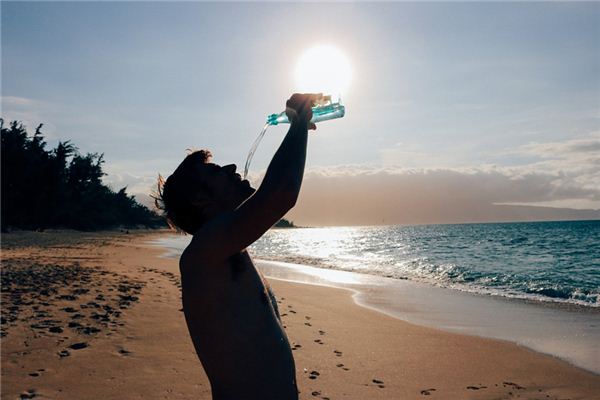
(323, 111)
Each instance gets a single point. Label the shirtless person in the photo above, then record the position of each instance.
(230, 310)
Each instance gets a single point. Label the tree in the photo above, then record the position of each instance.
(284, 223)
(60, 187)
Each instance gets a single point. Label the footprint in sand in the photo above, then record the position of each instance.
(313, 374)
(319, 341)
(321, 332)
(513, 385)
(427, 392)
(89, 330)
(379, 383)
(338, 353)
(124, 351)
(30, 394)
(476, 387)
(342, 366)
(78, 346)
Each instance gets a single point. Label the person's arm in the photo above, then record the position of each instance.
(231, 232)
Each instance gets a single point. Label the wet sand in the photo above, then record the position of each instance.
(99, 316)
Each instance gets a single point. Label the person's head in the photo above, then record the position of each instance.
(199, 190)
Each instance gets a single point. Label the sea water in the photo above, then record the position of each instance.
(542, 261)
(557, 262)
(533, 283)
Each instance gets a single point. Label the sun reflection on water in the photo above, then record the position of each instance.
(323, 242)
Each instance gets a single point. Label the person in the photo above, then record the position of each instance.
(230, 310)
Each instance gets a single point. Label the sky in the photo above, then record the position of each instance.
(456, 112)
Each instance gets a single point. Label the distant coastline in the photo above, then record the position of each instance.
(516, 221)
(284, 223)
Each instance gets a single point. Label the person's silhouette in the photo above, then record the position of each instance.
(230, 310)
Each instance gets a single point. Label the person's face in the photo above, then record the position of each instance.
(227, 188)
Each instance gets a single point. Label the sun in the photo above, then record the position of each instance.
(323, 69)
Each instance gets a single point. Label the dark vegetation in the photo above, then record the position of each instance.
(60, 188)
(284, 223)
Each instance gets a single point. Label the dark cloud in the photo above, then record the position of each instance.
(562, 174)
(334, 197)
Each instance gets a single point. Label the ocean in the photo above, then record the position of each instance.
(533, 283)
(541, 261)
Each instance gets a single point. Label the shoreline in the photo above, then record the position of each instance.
(566, 331)
(545, 301)
(569, 335)
(174, 246)
(342, 350)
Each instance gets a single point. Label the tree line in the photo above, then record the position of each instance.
(60, 188)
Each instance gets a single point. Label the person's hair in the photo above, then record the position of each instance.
(175, 194)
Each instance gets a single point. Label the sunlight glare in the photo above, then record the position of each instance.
(323, 69)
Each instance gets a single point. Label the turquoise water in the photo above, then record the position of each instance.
(547, 261)
(542, 261)
(404, 271)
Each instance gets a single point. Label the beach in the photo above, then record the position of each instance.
(98, 315)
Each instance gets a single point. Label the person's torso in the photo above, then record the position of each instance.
(236, 332)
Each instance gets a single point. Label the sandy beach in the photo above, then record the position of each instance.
(98, 315)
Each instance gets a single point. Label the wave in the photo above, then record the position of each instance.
(458, 278)
(546, 262)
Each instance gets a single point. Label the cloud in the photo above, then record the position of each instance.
(573, 163)
(139, 185)
(586, 146)
(564, 175)
(13, 101)
(139, 177)
(31, 112)
(560, 176)
(342, 196)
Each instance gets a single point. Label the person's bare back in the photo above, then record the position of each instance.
(231, 313)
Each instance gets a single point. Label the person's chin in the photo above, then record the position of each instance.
(244, 193)
(250, 191)
(247, 188)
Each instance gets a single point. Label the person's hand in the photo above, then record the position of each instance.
(299, 108)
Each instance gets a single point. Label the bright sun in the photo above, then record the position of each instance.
(323, 69)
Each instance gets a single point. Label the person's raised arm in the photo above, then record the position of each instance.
(282, 181)
(231, 232)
